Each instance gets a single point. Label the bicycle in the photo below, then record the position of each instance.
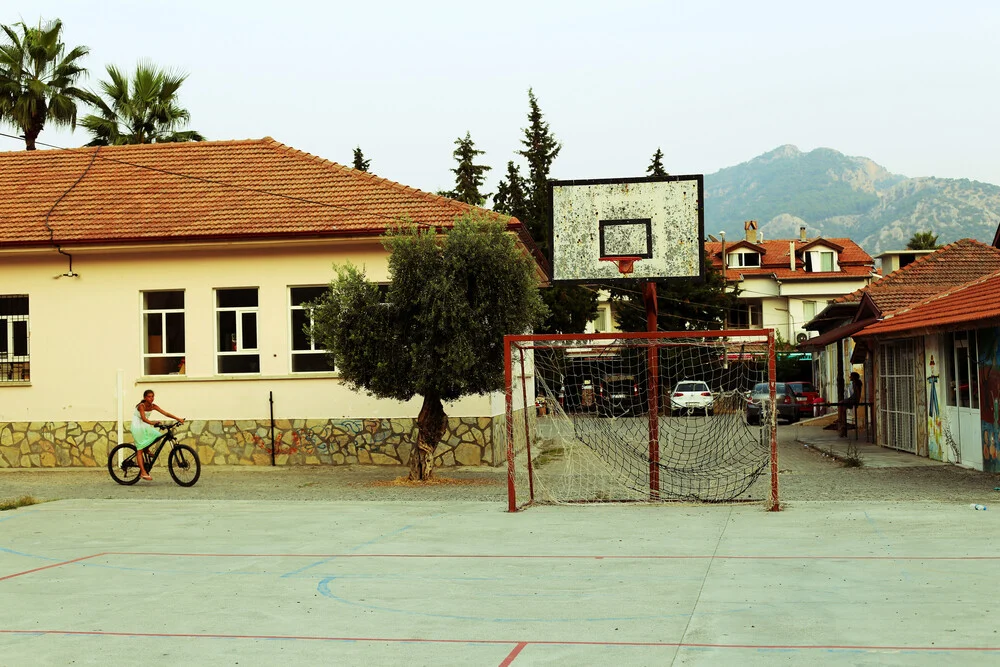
(183, 462)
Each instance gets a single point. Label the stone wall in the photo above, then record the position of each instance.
(467, 441)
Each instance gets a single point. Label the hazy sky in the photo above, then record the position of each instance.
(912, 85)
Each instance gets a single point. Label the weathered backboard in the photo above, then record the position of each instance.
(660, 220)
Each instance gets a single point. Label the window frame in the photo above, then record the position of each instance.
(11, 363)
(163, 312)
(313, 349)
(239, 312)
(737, 259)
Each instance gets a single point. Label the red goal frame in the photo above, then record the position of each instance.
(525, 341)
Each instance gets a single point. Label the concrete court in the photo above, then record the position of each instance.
(236, 582)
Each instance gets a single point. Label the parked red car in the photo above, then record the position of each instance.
(807, 396)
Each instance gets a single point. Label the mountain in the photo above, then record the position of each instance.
(836, 195)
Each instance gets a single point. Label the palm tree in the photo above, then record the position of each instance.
(923, 241)
(37, 79)
(139, 110)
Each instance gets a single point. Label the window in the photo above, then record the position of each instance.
(236, 312)
(808, 311)
(817, 261)
(744, 259)
(601, 321)
(746, 316)
(307, 357)
(14, 362)
(163, 332)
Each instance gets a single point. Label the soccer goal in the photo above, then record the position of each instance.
(642, 417)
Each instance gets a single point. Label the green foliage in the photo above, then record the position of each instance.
(655, 167)
(923, 241)
(142, 109)
(682, 304)
(469, 176)
(38, 79)
(439, 329)
(540, 151)
(570, 306)
(510, 198)
(360, 163)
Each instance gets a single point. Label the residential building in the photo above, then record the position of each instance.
(184, 268)
(899, 359)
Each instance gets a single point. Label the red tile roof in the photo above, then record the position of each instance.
(198, 191)
(966, 304)
(930, 274)
(775, 261)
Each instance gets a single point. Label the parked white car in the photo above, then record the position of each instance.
(692, 396)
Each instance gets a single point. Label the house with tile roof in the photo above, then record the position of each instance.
(183, 268)
(925, 335)
(784, 283)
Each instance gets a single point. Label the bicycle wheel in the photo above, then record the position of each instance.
(126, 472)
(184, 465)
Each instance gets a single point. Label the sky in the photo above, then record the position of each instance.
(911, 85)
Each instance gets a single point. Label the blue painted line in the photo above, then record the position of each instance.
(359, 546)
(16, 515)
(27, 555)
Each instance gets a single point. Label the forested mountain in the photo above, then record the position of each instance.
(837, 195)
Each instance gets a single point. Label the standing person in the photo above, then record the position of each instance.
(144, 431)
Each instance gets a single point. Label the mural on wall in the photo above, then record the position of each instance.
(935, 430)
(989, 396)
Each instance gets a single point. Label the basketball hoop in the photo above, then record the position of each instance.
(625, 264)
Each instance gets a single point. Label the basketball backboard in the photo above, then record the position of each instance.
(658, 221)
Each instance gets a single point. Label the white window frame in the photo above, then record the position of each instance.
(240, 349)
(16, 362)
(737, 259)
(313, 349)
(816, 260)
(806, 316)
(162, 312)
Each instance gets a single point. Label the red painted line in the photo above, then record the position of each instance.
(545, 557)
(423, 640)
(513, 654)
(46, 567)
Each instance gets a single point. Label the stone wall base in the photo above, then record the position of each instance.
(468, 441)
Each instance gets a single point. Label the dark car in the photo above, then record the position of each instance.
(807, 395)
(620, 396)
(785, 397)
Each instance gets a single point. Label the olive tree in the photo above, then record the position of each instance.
(437, 331)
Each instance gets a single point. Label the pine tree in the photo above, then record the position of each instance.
(655, 167)
(360, 163)
(571, 307)
(510, 198)
(469, 176)
(540, 150)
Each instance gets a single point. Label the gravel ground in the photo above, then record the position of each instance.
(806, 475)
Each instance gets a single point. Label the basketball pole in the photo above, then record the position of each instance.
(653, 355)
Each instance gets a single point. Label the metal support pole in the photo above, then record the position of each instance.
(653, 355)
(773, 421)
(270, 398)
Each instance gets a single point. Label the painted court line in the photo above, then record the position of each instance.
(518, 645)
(545, 557)
(46, 567)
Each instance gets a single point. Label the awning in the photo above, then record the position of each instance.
(833, 335)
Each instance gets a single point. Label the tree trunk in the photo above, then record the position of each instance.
(431, 425)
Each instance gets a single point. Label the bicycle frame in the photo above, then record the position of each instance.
(159, 444)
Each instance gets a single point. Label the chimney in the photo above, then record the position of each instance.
(791, 254)
(750, 226)
(802, 233)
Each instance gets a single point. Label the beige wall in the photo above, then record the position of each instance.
(84, 329)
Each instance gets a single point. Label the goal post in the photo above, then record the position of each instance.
(580, 429)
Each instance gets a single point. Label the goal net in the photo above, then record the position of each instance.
(645, 417)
